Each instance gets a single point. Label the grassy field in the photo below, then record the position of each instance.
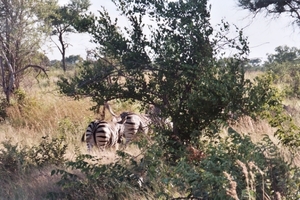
(38, 111)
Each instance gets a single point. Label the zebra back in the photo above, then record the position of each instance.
(103, 134)
(134, 123)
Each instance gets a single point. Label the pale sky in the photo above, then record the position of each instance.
(264, 34)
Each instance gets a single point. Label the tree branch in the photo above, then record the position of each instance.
(33, 66)
(292, 9)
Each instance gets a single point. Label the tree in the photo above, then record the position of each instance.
(21, 34)
(73, 59)
(62, 22)
(273, 7)
(171, 64)
(284, 54)
(285, 65)
(255, 62)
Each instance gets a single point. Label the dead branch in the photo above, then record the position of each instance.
(33, 66)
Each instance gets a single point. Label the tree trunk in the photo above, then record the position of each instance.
(3, 78)
(9, 87)
(63, 51)
(64, 60)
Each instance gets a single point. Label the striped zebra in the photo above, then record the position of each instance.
(154, 113)
(133, 123)
(103, 134)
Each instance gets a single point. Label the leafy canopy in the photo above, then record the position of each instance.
(22, 33)
(273, 7)
(62, 20)
(167, 57)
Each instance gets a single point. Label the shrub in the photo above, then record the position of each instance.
(3, 107)
(13, 160)
(257, 170)
(48, 151)
(99, 181)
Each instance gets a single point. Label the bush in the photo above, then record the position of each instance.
(256, 170)
(48, 152)
(232, 166)
(13, 160)
(99, 181)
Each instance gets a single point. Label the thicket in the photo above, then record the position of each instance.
(231, 167)
(178, 71)
(228, 166)
(18, 161)
(284, 65)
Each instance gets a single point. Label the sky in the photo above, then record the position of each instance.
(264, 33)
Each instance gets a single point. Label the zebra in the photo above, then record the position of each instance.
(133, 123)
(154, 113)
(103, 134)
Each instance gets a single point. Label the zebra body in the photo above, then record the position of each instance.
(103, 134)
(134, 123)
(154, 113)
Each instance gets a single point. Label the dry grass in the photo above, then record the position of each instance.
(258, 129)
(47, 113)
(252, 75)
(31, 186)
(255, 129)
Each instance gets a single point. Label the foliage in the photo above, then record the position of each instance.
(18, 163)
(100, 181)
(285, 65)
(175, 68)
(254, 64)
(73, 59)
(13, 160)
(257, 169)
(62, 22)
(284, 54)
(267, 172)
(21, 36)
(272, 110)
(23, 107)
(41, 59)
(273, 7)
(285, 62)
(48, 152)
(66, 125)
(3, 107)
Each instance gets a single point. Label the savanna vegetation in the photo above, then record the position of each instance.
(236, 121)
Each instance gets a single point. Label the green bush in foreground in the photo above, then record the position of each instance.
(233, 167)
(17, 162)
(119, 180)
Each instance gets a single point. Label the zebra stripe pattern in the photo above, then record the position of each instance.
(134, 123)
(154, 114)
(103, 134)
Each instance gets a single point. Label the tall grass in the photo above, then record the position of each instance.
(38, 111)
